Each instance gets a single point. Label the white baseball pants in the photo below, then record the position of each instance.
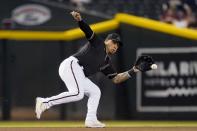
(78, 84)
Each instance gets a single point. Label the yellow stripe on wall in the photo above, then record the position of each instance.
(31, 35)
(98, 28)
(60, 35)
(101, 27)
(157, 26)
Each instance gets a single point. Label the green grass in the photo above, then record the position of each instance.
(108, 123)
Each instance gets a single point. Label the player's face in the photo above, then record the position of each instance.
(111, 47)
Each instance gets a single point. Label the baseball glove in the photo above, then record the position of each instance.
(144, 63)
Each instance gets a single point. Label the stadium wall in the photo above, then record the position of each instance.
(32, 66)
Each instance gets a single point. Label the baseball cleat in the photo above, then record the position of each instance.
(40, 107)
(94, 124)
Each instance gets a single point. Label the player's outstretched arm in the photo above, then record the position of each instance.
(143, 63)
(121, 77)
(82, 25)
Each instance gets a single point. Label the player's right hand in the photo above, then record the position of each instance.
(76, 15)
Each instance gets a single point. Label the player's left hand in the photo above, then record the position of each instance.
(76, 15)
(145, 63)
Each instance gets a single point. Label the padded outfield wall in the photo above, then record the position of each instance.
(169, 91)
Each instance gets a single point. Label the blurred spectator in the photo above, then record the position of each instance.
(177, 13)
(194, 23)
(79, 4)
(168, 16)
(191, 3)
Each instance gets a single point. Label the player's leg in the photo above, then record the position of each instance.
(72, 75)
(93, 92)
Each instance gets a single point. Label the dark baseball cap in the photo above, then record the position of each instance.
(115, 38)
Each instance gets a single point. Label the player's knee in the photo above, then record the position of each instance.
(97, 92)
(80, 95)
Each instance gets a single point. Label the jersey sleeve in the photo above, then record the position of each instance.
(87, 30)
(90, 35)
(108, 71)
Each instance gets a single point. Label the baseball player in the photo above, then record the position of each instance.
(93, 57)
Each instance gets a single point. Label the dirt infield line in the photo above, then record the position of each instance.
(100, 129)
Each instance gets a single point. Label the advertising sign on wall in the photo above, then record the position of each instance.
(173, 86)
(31, 14)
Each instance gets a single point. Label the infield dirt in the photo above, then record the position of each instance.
(99, 129)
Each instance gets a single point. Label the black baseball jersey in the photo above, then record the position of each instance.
(92, 56)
